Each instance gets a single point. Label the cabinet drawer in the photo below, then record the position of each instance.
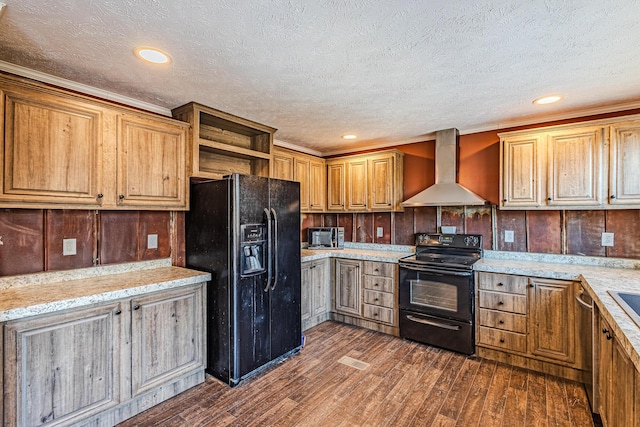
(384, 269)
(383, 284)
(503, 302)
(503, 339)
(383, 299)
(377, 313)
(502, 320)
(503, 283)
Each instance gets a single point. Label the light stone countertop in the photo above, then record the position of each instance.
(597, 275)
(360, 251)
(50, 292)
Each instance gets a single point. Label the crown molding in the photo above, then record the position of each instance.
(82, 88)
(294, 147)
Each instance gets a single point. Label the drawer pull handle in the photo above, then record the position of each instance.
(501, 339)
(432, 323)
(500, 302)
(501, 322)
(500, 284)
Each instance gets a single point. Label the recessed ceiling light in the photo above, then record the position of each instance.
(547, 100)
(153, 55)
(349, 136)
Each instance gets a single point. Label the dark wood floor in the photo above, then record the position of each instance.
(405, 384)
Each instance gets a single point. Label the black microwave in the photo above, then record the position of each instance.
(326, 237)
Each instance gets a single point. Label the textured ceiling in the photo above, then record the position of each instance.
(316, 69)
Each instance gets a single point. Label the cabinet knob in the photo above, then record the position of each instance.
(605, 330)
(501, 322)
(609, 336)
(613, 196)
(531, 285)
(549, 198)
(376, 285)
(501, 339)
(376, 299)
(121, 197)
(136, 307)
(376, 269)
(504, 200)
(500, 302)
(100, 195)
(118, 312)
(375, 314)
(500, 284)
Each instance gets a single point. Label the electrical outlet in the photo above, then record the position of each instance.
(68, 247)
(379, 232)
(508, 236)
(607, 239)
(152, 241)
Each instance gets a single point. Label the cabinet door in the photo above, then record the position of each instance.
(625, 157)
(552, 317)
(574, 170)
(381, 182)
(282, 166)
(52, 150)
(348, 293)
(605, 349)
(306, 290)
(317, 186)
(521, 172)
(151, 163)
(302, 176)
(62, 368)
(622, 387)
(357, 192)
(336, 186)
(166, 336)
(320, 288)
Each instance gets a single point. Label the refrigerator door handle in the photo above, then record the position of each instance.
(269, 243)
(275, 248)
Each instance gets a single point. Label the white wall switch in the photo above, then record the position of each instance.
(379, 232)
(68, 247)
(152, 241)
(607, 239)
(508, 236)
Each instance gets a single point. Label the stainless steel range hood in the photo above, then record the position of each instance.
(446, 191)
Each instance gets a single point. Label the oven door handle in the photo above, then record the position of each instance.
(432, 323)
(437, 271)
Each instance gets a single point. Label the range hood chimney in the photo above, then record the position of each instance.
(446, 191)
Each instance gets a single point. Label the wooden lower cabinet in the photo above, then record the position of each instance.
(316, 293)
(617, 381)
(534, 323)
(103, 364)
(366, 294)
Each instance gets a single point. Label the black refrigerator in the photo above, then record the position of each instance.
(245, 231)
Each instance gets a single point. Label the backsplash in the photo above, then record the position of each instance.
(31, 239)
(552, 232)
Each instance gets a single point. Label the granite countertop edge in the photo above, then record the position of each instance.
(30, 300)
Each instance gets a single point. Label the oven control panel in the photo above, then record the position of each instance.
(471, 241)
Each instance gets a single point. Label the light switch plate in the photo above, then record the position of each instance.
(379, 232)
(152, 241)
(68, 247)
(508, 236)
(607, 239)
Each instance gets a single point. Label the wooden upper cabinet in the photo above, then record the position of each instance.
(282, 165)
(301, 167)
(588, 165)
(151, 163)
(51, 151)
(357, 188)
(574, 167)
(521, 172)
(308, 170)
(369, 182)
(69, 151)
(624, 181)
(336, 186)
(317, 185)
